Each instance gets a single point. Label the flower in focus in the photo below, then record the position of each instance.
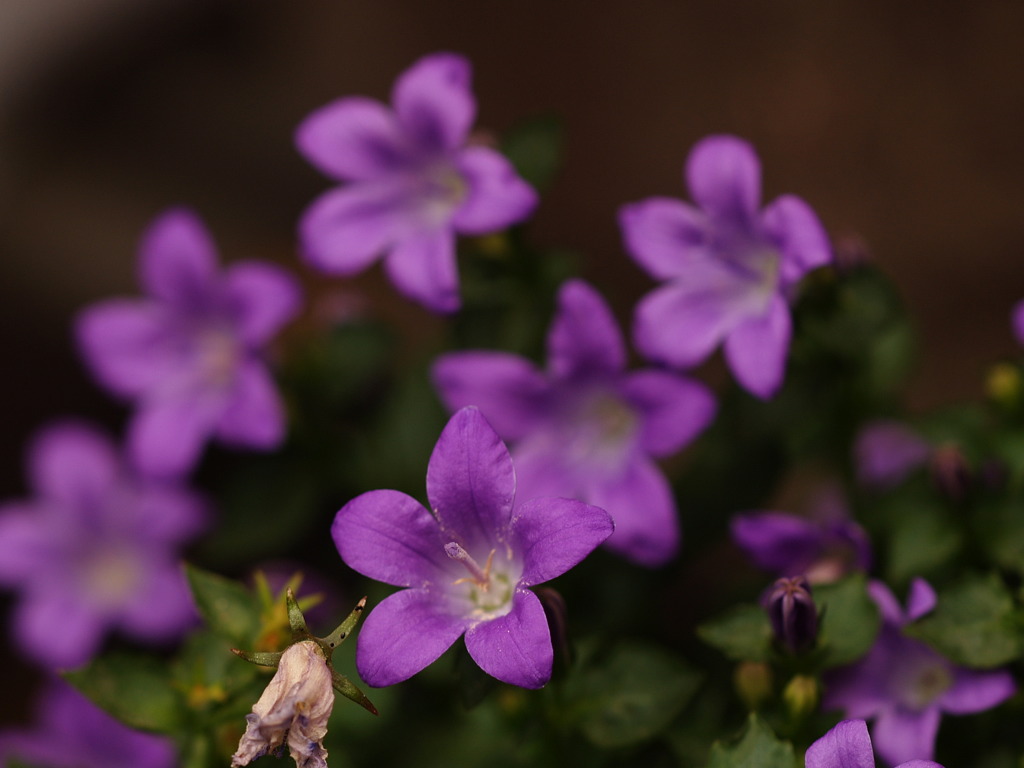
(729, 266)
(188, 354)
(905, 686)
(96, 548)
(468, 562)
(886, 452)
(823, 547)
(412, 182)
(848, 745)
(295, 706)
(585, 428)
(792, 613)
(72, 732)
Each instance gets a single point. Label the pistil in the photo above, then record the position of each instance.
(479, 576)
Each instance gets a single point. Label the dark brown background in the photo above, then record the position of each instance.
(900, 122)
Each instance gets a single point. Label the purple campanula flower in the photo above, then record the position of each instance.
(188, 354)
(468, 562)
(905, 686)
(96, 548)
(848, 745)
(72, 732)
(886, 452)
(823, 546)
(586, 428)
(729, 266)
(412, 182)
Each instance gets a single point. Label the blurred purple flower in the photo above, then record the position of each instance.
(729, 266)
(1017, 320)
(468, 562)
(905, 686)
(586, 428)
(848, 745)
(97, 548)
(72, 732)
(886, 452)
(188, 354)
(822, 547)
(412, 182)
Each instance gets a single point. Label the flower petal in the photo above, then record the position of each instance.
(674, 409)
(508, 389)
(353, 139)
(125, 344)
(644, 510)
(496, 198)
(681, 322)
(757, 349)
(347, 228)
(555, 534)
(405, 633)
(1018, 321)
(664, 235)
(422, 267)
(471, 482)
(74, 464)
(162, 608)
(515, 648)
(900, 735)
(253, 415)
(724, 177)
(55, 626)
(584, 338)
(920, 600)
(390, 537)
(777, 542)
(847, 745)
(434, 103)
(974, 691)
(178, 260)
(799, 236)
(166, 436)
(24, 542)
(262, 297)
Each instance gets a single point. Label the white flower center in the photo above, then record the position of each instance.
(488, 589)
(218, 355)
(601, 431)
(111, 576)
(442, 192)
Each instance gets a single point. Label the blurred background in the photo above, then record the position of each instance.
(900, 123)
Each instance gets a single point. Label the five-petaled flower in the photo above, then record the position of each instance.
(412, 182)
(586, 428)
(905, 686)
(848, 745)
(188, 353)
(294, 707)
(97, 547)
(730, 266)
(468, 563)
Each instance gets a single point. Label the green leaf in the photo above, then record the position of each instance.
(135, 689)
(629, 696)
(973, 624)
(757, 748)
(535, 149)
(227, 607)
(742, 634)
(922, 539)
(849, 620)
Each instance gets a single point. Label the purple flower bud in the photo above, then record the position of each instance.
(951, 472)
(792, 613)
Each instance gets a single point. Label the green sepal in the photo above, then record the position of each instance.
(263, 658)
(337, 637)
(348, 689)
(295, 618)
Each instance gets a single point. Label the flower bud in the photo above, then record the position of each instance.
(294, 706)
(753, 681)
(792, 613)
(801, 696)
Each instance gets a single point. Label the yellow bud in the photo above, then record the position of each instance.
(1004, 384)
(753, 681)
(801, 696)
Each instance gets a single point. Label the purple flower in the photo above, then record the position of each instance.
(1017, 320)
(822, 547)
(587, 429)
(848, 745)
(96, 548)
(412, 182)
(729, 266)
(468, 562)
(188, 353)
(905, 686)
(72, 732)
(886, 452)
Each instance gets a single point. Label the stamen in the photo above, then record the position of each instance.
(480, 576)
